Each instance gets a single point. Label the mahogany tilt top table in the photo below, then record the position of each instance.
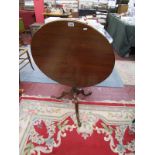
(73, 54)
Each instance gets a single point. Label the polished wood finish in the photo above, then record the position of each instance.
(72, 53)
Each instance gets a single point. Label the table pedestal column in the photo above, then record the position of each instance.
(74, 92)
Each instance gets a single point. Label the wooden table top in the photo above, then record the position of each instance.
(72, 53)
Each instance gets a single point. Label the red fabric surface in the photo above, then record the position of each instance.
(74, 144)
(28, 17)
(63, 137)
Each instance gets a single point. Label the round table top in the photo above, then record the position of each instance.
(72, 53)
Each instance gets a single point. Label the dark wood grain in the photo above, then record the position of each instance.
(71, 55)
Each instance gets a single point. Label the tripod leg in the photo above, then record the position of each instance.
(63, 94)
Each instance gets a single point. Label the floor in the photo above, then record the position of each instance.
(126, 93)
